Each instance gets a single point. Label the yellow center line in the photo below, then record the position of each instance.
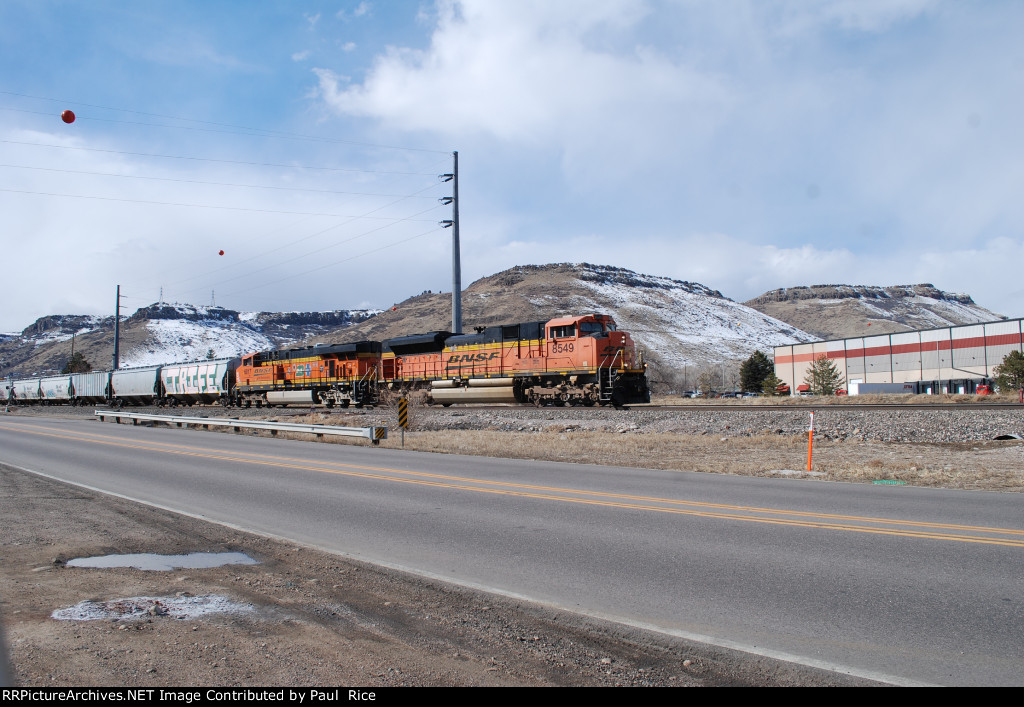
(795, 519)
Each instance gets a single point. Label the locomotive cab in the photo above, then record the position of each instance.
(590, 342)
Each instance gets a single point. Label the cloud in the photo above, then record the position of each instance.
(527, 73)
(363, 9)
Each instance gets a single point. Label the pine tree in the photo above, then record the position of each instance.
(823, 376)
(77, 364)
(1009, 374)
(754, 371)
(770, 385)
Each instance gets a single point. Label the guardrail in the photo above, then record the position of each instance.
(374, 434)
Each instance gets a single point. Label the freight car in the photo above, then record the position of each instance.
(209, 381)
(26, 391)
(135, 386)
(55, 390)
(89, 388)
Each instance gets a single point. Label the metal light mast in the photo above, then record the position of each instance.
(456, 258)
(117, 331)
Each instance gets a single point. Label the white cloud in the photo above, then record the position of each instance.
(363, 9)
(525, 73)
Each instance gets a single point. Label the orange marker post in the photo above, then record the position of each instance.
(810, 442)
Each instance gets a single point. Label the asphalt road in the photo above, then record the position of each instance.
(893, 583)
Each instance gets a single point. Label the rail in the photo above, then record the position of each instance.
(374, 434)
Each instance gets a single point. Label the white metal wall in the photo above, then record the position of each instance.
(964, 352)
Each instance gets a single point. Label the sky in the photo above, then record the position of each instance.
(742, 144)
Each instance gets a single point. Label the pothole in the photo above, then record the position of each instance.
(164, 563)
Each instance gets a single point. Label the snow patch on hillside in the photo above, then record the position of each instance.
(180, 340)
(954, 312)
(682, 327)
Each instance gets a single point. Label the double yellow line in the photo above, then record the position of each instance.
(1007, 537)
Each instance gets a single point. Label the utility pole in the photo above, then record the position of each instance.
(456, 258)
(117, 331)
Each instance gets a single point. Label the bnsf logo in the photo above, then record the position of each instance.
(473, 358)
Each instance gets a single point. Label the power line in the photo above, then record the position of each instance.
(191, 267)
(196, 181)
(195, 206)
(292, 244)
(336, 263)
(256, 132)
(209, 159)
(319, 250)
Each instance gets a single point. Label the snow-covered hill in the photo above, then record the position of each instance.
(176, 340)
(684, 324)
(162, 333)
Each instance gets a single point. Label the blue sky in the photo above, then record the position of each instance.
(746, 145)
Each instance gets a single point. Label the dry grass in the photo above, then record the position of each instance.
(990, 465)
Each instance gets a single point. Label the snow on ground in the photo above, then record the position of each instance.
(54, 338)
(875, 310)
(179, 340)
(955, 311)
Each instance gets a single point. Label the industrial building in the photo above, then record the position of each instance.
(947, 360)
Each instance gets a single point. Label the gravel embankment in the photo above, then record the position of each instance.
(893, 425)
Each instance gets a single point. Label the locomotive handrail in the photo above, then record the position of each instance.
(374, 434)
(620, 351)
(370, 379)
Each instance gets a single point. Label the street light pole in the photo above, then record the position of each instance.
(456, 257)
(456, 252)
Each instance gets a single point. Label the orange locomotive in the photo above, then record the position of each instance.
(580, 360)
(332, 374)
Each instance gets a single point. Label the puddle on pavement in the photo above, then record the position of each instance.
(164, 563)
(138, 608)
